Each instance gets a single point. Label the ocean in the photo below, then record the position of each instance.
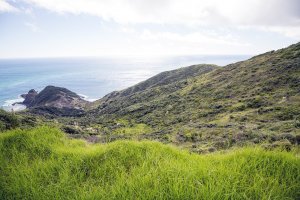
(90, 77)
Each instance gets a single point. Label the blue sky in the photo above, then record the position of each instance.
(63, 28)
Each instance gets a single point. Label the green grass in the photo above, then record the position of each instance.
(135, 129)
(8, 120)
(43, 163)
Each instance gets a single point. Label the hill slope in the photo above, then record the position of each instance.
(254, 100)
(161, 84)
(203, 107)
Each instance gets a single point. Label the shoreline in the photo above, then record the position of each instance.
(16, 105)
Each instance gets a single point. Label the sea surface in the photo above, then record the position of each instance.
(91, 77)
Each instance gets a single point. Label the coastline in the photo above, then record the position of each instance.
(85, 97)
(95, 77)
(14, 104)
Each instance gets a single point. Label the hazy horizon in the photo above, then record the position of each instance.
(133, 56)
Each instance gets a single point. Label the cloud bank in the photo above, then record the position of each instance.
(281, 16)
(159, 26)
(6, 7)
(231, 12)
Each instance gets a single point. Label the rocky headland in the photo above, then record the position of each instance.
(54, 100)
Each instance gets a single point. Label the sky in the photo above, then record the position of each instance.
(67, 28)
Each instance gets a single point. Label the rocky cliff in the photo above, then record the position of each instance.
(54, 100)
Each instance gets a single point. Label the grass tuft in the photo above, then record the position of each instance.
(42, 163)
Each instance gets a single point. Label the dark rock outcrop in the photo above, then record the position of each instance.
(55, 101)
(29, 97)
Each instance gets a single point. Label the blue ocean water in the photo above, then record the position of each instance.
(93, 77)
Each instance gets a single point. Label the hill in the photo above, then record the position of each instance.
(204, 108)
(43, 163)
(167, 82)
(255, 101)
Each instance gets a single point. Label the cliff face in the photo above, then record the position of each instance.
(54, 100)
(29, 97)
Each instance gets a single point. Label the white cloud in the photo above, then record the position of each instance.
(231, 12)
(192, 38)
(33, 27)
(164, 26)
(292, 32)
(6, 7)
(198, 42)
(280, 16)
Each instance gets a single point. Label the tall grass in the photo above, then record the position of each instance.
(44, 164)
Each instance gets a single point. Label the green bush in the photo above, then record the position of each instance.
(288, 113)
(255, 103)
(8, 120)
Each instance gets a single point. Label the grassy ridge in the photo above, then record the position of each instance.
(256, 101)
(43, 164)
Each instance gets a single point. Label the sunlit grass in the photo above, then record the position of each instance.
(43, 164)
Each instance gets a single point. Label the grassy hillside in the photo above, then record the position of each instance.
(160, 85)
(203, 108)
(206, 108)
(43, 164)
